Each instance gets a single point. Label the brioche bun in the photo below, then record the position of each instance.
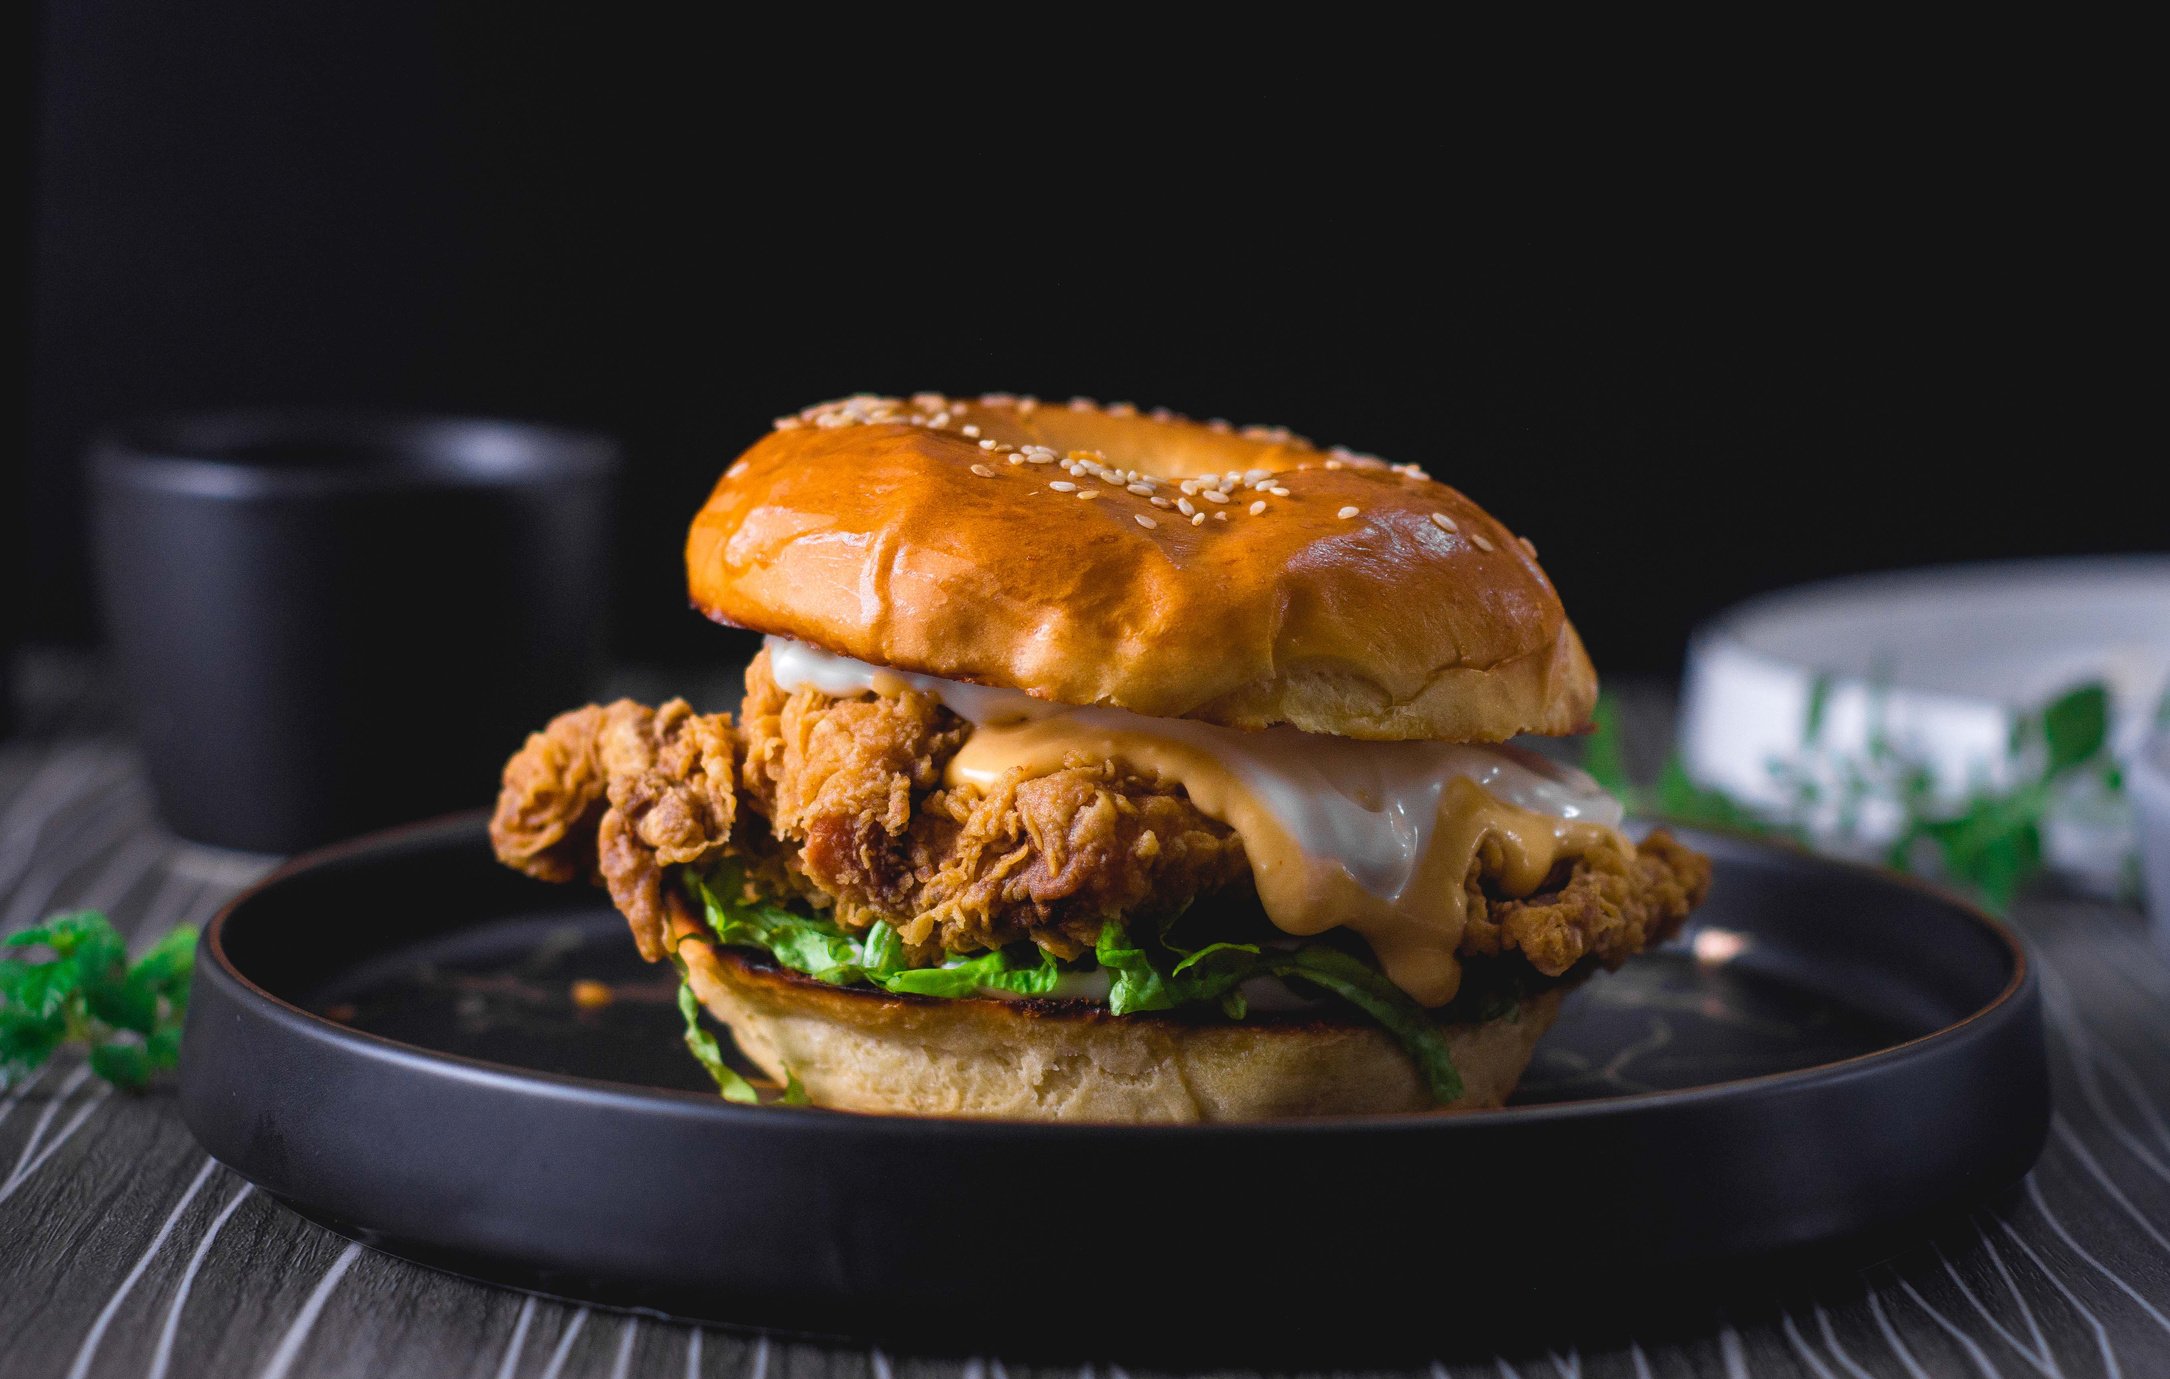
(924, 535)
(858, 1049)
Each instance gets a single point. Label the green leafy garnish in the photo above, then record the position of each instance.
(1987, 841)
(128, 1015)
(1604, 754)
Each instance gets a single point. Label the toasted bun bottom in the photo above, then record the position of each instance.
(855, 1049)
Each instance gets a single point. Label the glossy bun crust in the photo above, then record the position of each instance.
(929, 534)
(857, 1049)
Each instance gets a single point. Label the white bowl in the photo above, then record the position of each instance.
(1946, 660)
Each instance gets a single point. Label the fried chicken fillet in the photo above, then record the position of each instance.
(842, 802)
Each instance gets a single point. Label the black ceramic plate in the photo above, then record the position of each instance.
(384, 1036)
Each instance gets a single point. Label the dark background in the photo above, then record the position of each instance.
(1691, 366)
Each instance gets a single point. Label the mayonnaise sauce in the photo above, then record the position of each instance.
(1376, 837)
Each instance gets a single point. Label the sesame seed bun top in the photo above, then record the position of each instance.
(1095, 555)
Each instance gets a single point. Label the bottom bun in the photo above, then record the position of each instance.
(857, 1049)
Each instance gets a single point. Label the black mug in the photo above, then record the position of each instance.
(328, 622)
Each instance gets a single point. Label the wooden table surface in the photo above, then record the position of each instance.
(124, 1250)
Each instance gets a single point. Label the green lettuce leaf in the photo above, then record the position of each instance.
(1367, 988)
(1139, 980)
(710, 1054)
(802, 943)
(995, 971)
(794, 1093)
(1213, 973)
(817, 947)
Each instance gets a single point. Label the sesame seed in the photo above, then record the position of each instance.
(1040, 456)
(1481, 543)
(1213, 495)
(1254, 475)
(1088, 493)
(1160, 502)
(1346, 513)
(1278, 491)
(1186, 507)
(788, 423)
(987, 444)
(1220, 517)
(983, 471)
(1081, 404)
(1017, 459)
(1142, 520)
(1196, 518)
(1333, 464)
(1258, 507)
(735, 470)
(1528, 545)
(1142, 490)
(1063, 486)
(1443, 522)
(969, 430)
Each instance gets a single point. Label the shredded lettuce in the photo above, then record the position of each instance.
(817, 947)
(1140, 979)
(794, 1091)
(1366, 988)
(1142, 976)
(710, 1054)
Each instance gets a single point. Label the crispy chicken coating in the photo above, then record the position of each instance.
(1610, 904)
(855, 786)
(620, 792)
(847, 807)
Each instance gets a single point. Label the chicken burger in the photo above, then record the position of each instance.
(1110, 766)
